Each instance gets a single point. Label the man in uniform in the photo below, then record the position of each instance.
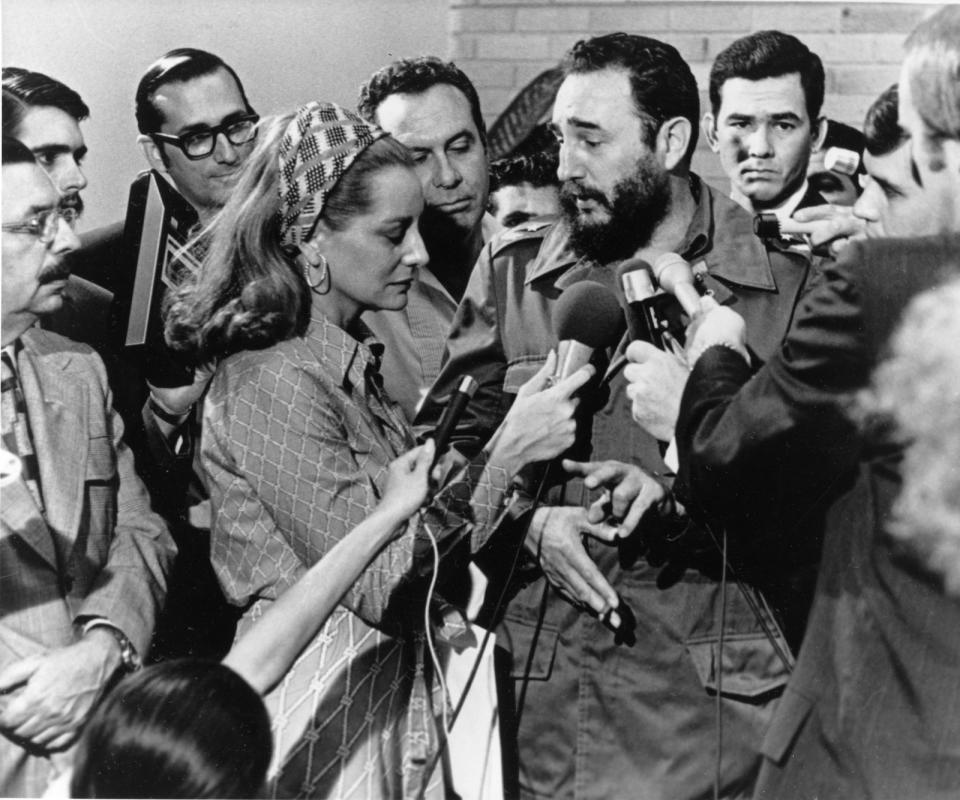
(598, 718)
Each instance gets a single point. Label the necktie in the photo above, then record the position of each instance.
(16, 428)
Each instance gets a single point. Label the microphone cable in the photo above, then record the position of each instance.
(488, 632)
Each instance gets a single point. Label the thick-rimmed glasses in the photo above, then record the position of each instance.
(45, 224)
(201, 144)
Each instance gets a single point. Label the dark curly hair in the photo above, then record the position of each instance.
(415, 76)
(538, 169)
(661, 82)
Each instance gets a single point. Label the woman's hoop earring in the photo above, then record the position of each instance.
(322, 284)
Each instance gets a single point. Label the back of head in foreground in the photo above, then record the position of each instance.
(914, 397)
(182, 728)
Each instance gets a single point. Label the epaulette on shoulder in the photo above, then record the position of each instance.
(532, 230)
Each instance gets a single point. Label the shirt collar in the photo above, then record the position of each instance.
(341, 355)
(785, 210)
(720, 235)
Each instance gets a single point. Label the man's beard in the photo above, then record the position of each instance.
(639, 204)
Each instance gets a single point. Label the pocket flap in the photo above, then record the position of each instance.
(519, 372)
(749, 667)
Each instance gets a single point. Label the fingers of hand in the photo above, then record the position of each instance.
(639, 351)
(578, 577)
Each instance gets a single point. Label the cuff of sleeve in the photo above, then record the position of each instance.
(130, 660)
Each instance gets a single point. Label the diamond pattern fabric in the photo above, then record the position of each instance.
(296, 443)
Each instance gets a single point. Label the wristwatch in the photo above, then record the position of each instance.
(129, 658)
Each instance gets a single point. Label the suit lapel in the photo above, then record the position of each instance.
(57, 406)
(19, 513)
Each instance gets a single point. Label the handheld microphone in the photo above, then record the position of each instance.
(767, 225)
(587, 318)
(650, 314)
(674, 275)
(451, 414)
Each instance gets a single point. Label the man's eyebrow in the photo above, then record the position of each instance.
(198, 127)
(40, 208)
(54, 148)
(884, 184)
(786, 115)
(584, 124)
(463, 134)
(515, 218)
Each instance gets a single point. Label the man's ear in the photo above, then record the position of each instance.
(709, 127)
(818, 133)
(673, 139)
(151, 151)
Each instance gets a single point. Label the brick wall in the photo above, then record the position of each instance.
(503, 44)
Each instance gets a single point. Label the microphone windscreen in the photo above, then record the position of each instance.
(588, 312)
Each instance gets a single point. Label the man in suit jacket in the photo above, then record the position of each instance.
(83, 558)
(873, 706)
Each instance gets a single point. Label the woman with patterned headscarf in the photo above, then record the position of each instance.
(298, 435)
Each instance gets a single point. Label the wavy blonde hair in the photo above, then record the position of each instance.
(250, 292)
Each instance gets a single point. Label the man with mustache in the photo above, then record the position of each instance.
(432, 107)
(45, 115)
(597, 718)
(83, 558)
(197, 128)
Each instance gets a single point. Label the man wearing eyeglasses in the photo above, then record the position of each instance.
(83, 558)
(197, 128)
(196, 125)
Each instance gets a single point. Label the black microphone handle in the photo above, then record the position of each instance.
(452, 413)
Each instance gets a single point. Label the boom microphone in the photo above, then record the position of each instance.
(587, 318)
(674, 275)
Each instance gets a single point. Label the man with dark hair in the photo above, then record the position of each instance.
(431, 106)
(871, 707)
(766, 91)
(599, 719)
(893, 202)
(523, 188)
(83, 558)
(45, 115)
(196, 125)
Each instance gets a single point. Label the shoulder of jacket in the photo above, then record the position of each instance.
(531, 232)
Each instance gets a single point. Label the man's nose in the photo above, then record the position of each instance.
(867, 207)
(568, 166)
(758, 144)
(447, 176)
(224, 151)
(66, 238)
(72, 179)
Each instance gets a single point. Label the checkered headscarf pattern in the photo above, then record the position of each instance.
(317, 148)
